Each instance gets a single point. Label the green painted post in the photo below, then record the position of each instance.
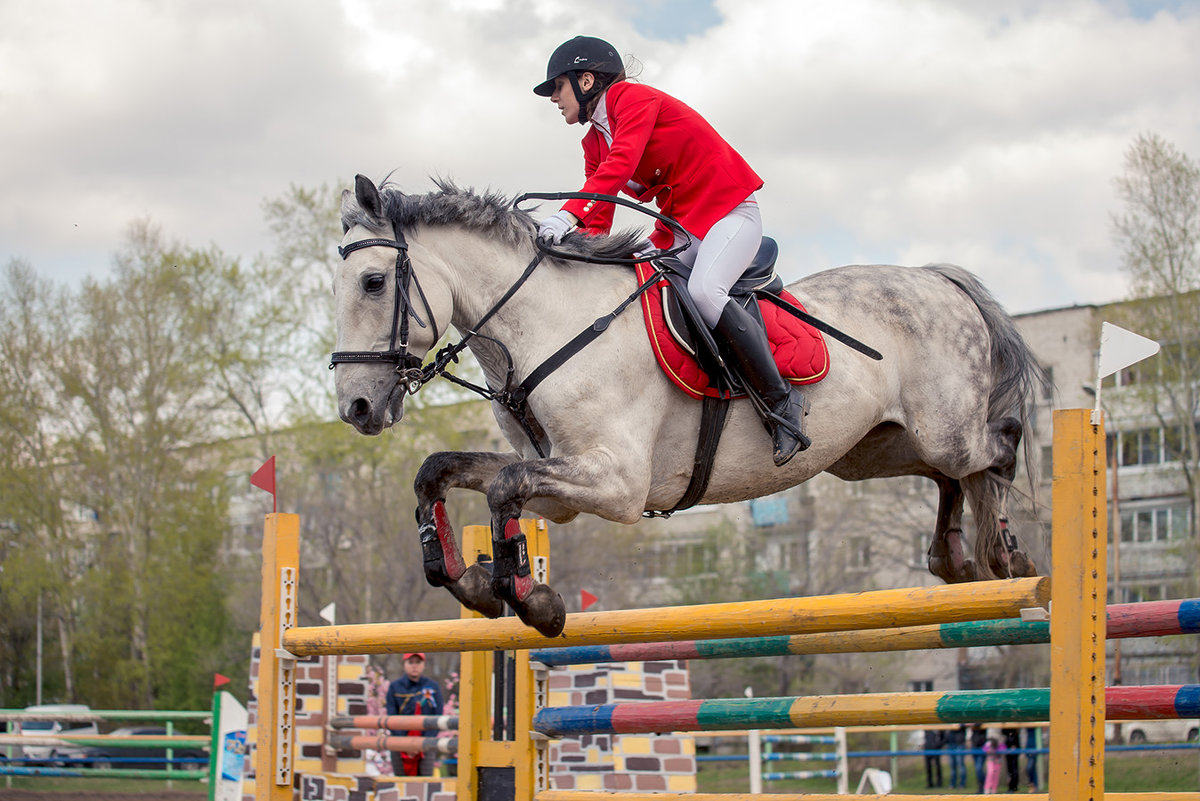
(894, 739)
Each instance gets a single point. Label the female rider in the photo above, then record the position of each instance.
(650, 145)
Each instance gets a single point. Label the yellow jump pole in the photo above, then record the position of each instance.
(852, 611)
(276, 689)
(1077, 612)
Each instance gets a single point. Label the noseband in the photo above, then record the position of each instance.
(408, 366)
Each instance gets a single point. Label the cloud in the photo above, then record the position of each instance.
(983, 134)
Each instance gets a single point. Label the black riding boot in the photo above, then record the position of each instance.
(785, 404)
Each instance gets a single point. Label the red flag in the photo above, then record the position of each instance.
(264, 479)
(218, 680)
(586, 599)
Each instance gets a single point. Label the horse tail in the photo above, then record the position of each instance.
(1018, 380)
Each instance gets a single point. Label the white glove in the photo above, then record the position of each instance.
(556, 226)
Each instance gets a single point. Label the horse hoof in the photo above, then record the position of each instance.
(969, 573)
(1021, 564)
(474, 591)
(952, 571)
(544, 610)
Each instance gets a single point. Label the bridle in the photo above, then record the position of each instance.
(408, 366)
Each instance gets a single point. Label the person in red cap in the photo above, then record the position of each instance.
(414, 694)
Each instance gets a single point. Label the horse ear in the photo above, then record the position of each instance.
(367, 195)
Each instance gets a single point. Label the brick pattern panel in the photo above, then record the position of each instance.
(630, 762)
(625, 762)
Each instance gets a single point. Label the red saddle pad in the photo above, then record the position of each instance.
(799, 348)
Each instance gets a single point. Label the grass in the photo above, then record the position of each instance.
(85, 786)
(1164, 771)
(1124, 772)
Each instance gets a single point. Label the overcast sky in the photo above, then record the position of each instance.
(981, 133)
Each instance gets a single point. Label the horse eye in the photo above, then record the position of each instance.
(373, 284)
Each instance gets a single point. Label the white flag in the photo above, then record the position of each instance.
(1120, 348)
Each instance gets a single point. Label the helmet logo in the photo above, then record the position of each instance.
(579, 59)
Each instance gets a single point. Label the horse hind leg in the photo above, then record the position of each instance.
(947, 552)
(996, 547)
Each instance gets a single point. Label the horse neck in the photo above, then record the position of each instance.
(550, 307)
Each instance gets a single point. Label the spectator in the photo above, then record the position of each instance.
(992, 748)
(956, 743)
(414, 694)
(1031, 769)
(978, 739)
(933, 757)
(1012, 759)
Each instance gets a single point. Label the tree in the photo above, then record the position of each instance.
(114, 502)
(36, 570)
(1159, 236)
(306, 225)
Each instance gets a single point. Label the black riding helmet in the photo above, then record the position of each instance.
(581, 54)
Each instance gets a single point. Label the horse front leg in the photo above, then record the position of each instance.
(444, 565)
(594, 482)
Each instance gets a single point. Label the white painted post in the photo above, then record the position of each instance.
(843, 782)
(754, 743)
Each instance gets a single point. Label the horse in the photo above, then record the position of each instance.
(608, 434)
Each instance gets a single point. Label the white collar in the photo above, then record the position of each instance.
(600, 117)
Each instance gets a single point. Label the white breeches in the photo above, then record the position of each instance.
(718, 260)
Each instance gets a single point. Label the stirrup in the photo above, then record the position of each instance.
(781, 426)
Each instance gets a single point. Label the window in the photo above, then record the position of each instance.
(697, 558)
(859, 557)
(1048, 387)
(1139, 447)
(919, 549)
(1155, 523)
(1150, 591)
(1148, 446)
(771, 511)
(1163, 368)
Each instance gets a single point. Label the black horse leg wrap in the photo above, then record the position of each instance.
(434, 557)
(511, 556)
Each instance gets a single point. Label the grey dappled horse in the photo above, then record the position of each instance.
(947, 401)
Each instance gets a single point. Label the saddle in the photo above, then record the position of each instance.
(689, 354)
(692, 358)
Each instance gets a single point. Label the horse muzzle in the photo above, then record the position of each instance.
(371, 412)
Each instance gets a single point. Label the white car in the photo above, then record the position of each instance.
(1138, 732)
(43, 754)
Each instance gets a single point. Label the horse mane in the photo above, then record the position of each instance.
(490, 213)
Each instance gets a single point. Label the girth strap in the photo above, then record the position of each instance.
(712, 424)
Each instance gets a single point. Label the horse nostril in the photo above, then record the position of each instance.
(360, 410)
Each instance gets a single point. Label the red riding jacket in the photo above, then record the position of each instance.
(659, 142)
